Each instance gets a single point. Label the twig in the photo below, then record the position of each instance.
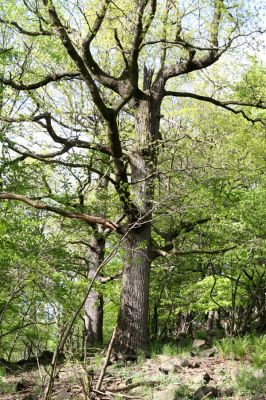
(102, 393)
(65, 335)
(133, 386)
(208, 395)
(126, 396)
(107, 358)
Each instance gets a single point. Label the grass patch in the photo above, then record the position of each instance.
(5, 386)
(97, 361)
(258, 351)
(183, 392)
(141, 358)
(248, 384)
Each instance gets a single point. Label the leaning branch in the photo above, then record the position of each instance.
(66, 333)
(89, 219)
(24, 31)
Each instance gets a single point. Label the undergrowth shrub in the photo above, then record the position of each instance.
(249, 346)
(171, 349)
(200, 335)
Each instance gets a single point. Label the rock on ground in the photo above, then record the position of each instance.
(204, 391)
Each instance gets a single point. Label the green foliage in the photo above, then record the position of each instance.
(2, 372)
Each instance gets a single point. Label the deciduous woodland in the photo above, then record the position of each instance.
(132, 179)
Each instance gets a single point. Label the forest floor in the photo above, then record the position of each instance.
(193, 375)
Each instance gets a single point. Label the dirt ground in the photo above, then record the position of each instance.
(160, 378)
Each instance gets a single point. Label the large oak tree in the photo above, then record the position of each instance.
(66, 68)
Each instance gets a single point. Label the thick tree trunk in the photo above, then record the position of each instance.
(132, 331)
(186, 323)
(94, 303)
(94, 319)
(133, 318)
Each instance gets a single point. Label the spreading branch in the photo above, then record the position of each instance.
(106, 79)
(193, 63)
(108, 114)
(185, 227)
(43, 82)
(67, 143)
(223, 104)
(76, 58)
(162, 253)
(46, 159)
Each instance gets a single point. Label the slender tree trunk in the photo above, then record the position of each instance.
(186, 323)
(212, 321)
(155, 322)
(94, 303)
(261, 309)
